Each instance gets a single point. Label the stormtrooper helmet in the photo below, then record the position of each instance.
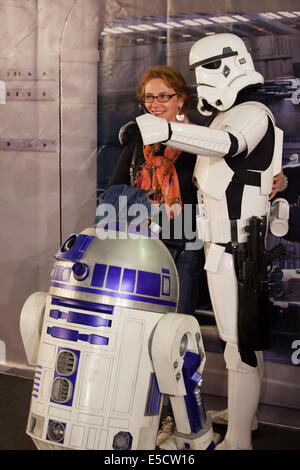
(223, 67)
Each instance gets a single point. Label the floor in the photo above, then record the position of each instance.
(268, 436)
(15, 394)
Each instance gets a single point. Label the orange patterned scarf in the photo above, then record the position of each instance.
(158, 174)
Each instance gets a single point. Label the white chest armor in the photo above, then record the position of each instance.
(213, 175)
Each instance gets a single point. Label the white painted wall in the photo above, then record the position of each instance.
(48, 61)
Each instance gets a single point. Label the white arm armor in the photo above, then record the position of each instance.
(191, 138)
(236, 130)
(202, 140)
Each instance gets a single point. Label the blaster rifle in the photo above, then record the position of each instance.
(258, 262)
(254, 263)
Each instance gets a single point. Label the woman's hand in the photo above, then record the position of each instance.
(279, 184)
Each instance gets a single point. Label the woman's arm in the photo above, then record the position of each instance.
(130, 139)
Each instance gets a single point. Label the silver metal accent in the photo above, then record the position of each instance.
(28, 145)
(61, 390)
(56, 431)
(183, 345)
(27, 74)
(30, 94)
(66, 363)
(197, 394)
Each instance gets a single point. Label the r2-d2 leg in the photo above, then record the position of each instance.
(178, 358)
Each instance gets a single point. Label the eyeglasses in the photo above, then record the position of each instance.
(162, 98)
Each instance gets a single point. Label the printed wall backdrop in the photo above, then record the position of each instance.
(128, 46)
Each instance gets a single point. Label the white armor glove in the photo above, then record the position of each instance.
(153, 129)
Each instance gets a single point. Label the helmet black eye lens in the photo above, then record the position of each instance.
(213, 65)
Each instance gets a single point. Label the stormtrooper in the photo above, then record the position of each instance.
(106, 343)
(239, 153)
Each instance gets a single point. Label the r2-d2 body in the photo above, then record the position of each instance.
(107, 343)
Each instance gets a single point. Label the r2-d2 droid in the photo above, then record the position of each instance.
(106, 343)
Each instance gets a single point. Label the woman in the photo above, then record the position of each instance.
(167, 175)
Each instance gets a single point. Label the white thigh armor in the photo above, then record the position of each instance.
(222, 285)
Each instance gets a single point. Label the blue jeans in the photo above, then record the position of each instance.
(190, 267)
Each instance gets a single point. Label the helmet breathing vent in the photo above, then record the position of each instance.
(236, 78)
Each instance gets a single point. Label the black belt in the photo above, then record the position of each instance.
(251, 178)
(228, 246)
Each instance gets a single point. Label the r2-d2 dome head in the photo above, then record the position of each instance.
(116, 268)
(223, 67)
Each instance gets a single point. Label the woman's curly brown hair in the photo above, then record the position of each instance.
(170, 75)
